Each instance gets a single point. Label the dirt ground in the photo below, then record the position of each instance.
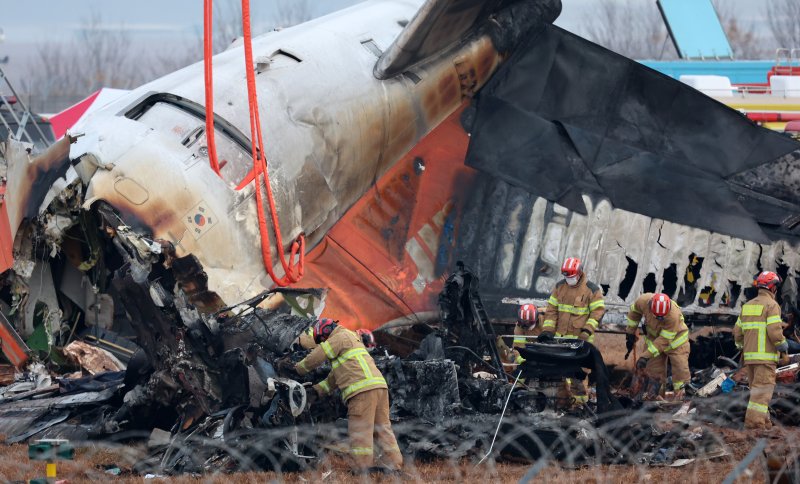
(91, 462)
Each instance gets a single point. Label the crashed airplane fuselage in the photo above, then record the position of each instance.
(330, 127)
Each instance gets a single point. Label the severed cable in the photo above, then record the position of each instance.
(501, 419)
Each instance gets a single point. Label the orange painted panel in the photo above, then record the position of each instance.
(389, 255)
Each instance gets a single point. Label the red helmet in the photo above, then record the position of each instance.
(528, 314)
(768, 280)
(323, 329)
(571, 267)
(366, 337)
(660, 305)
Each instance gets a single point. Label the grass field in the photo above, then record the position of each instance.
(90, 464)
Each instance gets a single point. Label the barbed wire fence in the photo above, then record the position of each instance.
(699, 441)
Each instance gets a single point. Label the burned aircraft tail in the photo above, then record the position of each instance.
(443, 24)
(572, 150)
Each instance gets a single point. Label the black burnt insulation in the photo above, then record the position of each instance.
(575, 118)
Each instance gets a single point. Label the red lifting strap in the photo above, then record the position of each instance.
(293, 272)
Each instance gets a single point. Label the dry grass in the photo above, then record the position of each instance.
(91, 462)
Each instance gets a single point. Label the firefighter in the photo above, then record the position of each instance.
(759, 335)
(575, 307)
(574, 310)
(666, 338)
(363, 390)
(367, 338)
(528, 324)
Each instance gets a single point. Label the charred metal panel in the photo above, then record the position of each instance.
(619, 248)
(605, 125)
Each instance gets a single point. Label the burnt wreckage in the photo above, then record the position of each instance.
(180, 335)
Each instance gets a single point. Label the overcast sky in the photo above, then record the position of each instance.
(179, 22)
(30, 21)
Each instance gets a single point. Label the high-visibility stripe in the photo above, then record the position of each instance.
(632, 323)
(552, 300)
(758, 407)
(548, 324)
(568, 308)
(348, 355)
(738, 322)
(302, 365)
(597, 304)
(677, 385)
(592, 323)
(361, 451)
(374, 381)
(519, 360)
(651, 347)
(566, 336)
(758, 356)
(634, 309)
(325, 386)
(328, 349)
(773, 319)
(520, 340)
(753, 325)
(680, 340)
(364, 366)
(670, 335)
(752, 310)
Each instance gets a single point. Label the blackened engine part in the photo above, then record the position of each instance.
(430, 348)
(483, 396)
(236, 390)
(564, 117)
(426, 390)
(274, 331)
(464, 317)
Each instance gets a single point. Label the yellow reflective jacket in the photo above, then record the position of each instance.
(353, 370)
(758, 329)
(661, 336)
(572, 308)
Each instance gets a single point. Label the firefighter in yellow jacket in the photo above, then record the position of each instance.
(666, 338)
(576, 306)
(574, 310)
(363, 390)
(758, 332)
(529, 323)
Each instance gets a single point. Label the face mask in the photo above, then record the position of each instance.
(572, 281)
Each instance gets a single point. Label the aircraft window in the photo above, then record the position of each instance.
(190, 130)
